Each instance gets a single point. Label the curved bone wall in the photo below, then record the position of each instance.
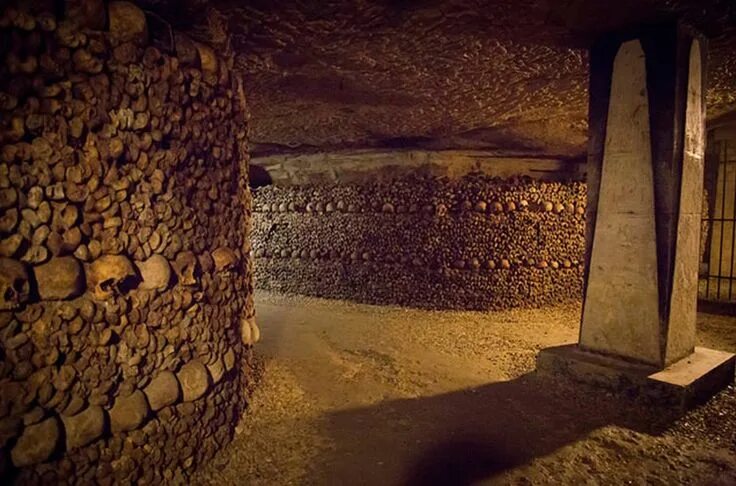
(125, 297)
(471, 243)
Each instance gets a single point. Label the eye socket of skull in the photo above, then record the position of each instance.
(128, 283)
(108, 285)
(10, 294)
(121, 286)
(19, 285)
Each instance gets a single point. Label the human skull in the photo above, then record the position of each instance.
(187, 268)
(14, 285)
(225, 259)
(111, 275)
(155, 273)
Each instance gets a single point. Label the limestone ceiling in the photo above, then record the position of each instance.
(506, 74)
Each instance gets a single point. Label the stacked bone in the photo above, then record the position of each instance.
(125, 313)
(472, 243)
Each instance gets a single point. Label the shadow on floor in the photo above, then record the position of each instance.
(461, 437)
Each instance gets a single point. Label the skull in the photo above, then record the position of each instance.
(155, 273)
(111, 275)
(187, 268)
(225, 259)
(14, 284)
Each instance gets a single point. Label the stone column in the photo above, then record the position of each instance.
(645, 185)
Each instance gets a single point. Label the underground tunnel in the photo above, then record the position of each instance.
(367, 242)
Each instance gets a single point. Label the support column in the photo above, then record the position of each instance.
(645, 186)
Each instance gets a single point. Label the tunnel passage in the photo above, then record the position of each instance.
(125, 281)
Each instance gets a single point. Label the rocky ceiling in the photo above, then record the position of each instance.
(506, 75)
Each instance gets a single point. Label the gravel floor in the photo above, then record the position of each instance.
(359, 394)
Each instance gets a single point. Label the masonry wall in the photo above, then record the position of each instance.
(125, 286)
(474, 242)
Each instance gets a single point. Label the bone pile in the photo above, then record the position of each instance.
(471, 243)
(126, 317)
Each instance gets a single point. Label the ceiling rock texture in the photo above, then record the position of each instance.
(506, 75)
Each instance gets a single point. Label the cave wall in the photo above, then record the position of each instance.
(370, 166)
(126, 312)
(474, 242)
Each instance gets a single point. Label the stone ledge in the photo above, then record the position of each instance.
(681, 385)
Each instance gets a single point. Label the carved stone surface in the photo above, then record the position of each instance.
(623, 261)
(646, 190)
(683, 301)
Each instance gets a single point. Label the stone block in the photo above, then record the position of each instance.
(683, 384)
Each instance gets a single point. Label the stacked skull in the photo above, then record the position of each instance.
(123, 257)
(471, 243)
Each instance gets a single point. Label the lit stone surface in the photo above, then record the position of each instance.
(683, 301)
(451, 74)
(620, 314)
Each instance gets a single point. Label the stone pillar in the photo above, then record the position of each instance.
(645, 185)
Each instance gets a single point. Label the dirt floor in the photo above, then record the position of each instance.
(354, 394)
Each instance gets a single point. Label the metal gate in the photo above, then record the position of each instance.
(718, 266)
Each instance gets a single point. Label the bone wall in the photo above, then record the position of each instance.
(471, 243)
(125, 300)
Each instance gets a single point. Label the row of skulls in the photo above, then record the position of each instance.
(109, 275)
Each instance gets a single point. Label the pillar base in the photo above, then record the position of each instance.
(682, 385)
